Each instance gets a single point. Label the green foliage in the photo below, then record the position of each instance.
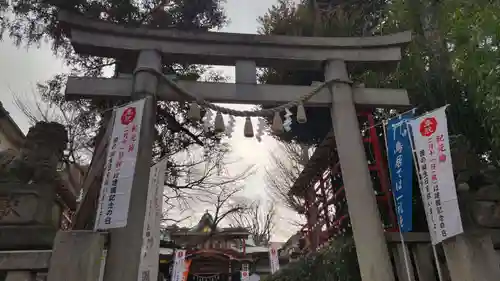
(473, 34)
(316, 18)
(431, 67)
(31, 22)
(36, 20)
(452, 60)
(335, 262)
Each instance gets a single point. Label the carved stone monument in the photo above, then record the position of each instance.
(29, 214)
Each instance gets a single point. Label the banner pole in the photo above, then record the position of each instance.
(403, 244)
(438, 265)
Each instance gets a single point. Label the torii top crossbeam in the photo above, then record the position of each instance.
(98, 38)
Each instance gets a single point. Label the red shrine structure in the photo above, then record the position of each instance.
(321, 188)
(215, 254)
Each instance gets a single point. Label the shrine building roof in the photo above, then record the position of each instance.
(206, 226)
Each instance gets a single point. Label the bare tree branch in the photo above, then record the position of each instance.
(258, 220)
(78, 147)
(286, 167)
(202, 179)
(222, 202)
(225, 203)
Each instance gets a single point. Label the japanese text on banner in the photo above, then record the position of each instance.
(400, 156)
(274, 260)
(151, 233)
(244, 272)
(437, 183)
(119, 168)
(178, 267)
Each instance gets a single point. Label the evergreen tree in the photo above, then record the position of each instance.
(326, 18)
(31, 22)
(442, 65)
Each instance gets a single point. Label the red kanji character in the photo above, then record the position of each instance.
(442, 158)
(128, 115)
(131, 147)
(428, 126)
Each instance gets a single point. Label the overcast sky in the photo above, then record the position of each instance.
(21, 69)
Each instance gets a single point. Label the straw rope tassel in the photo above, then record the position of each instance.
(277, 126)
(248, 129)
(194, 112)
(301, 114)
(219, 123)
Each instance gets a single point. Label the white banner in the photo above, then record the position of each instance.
(178, 268)
(244, 272)
(437, 183)
(119, 170)
(151, 232)
(274, 260)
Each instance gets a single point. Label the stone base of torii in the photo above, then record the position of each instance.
(246, 52)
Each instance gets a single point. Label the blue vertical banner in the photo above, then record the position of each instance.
(400, 157)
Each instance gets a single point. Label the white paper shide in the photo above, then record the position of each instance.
(437, 183)
(121, 157)
(148, 267)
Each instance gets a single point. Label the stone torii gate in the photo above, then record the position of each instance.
(152, 47)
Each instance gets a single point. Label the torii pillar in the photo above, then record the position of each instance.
(246, 51)
(368, 232)
(126, 243)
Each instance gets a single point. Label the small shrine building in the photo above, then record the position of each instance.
(214, 253)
